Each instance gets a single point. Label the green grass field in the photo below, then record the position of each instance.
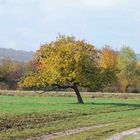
(27, 116)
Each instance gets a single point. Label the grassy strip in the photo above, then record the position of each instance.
(104, 132)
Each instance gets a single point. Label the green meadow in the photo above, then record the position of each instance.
(24, 117)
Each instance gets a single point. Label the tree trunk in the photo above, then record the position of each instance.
(79, 98)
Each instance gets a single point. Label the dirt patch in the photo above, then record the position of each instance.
(68, 132)
(123, 134)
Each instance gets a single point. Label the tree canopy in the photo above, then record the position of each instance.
(67, 63)
(127, 66)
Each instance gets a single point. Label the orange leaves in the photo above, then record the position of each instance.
(124, 83)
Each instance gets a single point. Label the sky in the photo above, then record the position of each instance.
(27, 24)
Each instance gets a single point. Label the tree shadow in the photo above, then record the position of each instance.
(109, 104)
(118, 104)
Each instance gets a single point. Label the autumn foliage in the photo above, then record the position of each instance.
(69, 63)
(108, 58)
(126, 64)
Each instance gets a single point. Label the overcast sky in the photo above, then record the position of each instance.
(26, 24)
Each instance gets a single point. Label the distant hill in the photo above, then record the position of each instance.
(138, 56)
(17, 55)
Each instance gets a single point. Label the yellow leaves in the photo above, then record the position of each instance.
(138, 64)
(63, 61)
(123, 84)
(108, 58)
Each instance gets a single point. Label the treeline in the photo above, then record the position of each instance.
(11, 72)
(105, 70)
(128, 76)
